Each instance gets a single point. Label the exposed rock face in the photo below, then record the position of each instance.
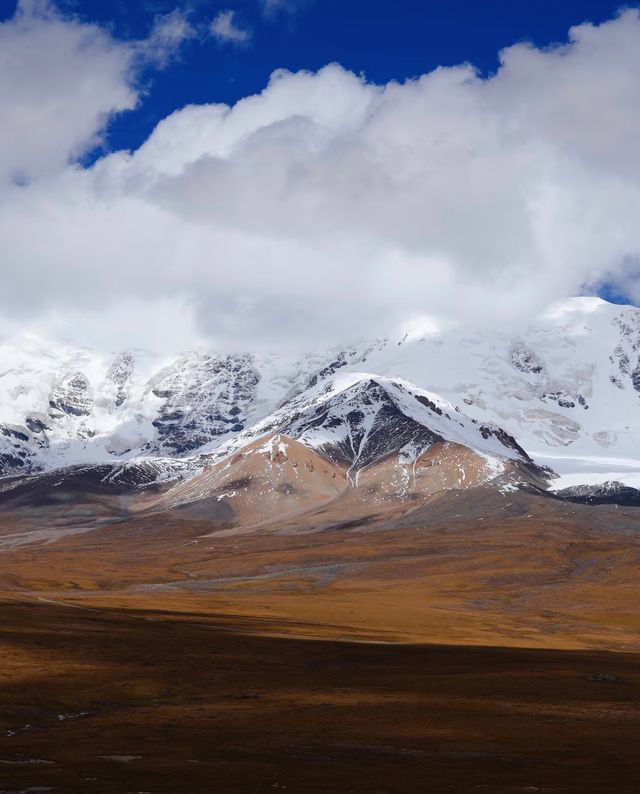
(13, 462)
(119, 378)
(205, 397)
(526, 360)
(35, 424)
(345, 358)
(489, 431)
(359, 426)
(72, 396)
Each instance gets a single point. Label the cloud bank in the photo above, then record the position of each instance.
(324, 208)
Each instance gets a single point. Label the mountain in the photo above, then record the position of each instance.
(357, 419)
(567, 387)
(357, 443)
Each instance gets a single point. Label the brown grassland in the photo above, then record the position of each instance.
(464, 647)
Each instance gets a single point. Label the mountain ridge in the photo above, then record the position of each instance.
(566, 389)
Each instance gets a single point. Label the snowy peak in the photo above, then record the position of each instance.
(61, 406)
(353, 444)
(610, 492)
(371, 417)
(356, 423)
(358, 419)
(117, 384)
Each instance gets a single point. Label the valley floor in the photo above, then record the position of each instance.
(118, 700)
(468, 646)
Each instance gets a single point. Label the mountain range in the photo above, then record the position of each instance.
(552, 406)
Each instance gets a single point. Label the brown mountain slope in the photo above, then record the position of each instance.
(277, 479)
(273, 476)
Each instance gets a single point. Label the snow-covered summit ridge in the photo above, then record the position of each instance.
(357, 419)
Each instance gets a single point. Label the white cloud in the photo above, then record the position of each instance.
(168, 33)
(225, 29)
(62, 80)
(59, 82)
(324, 207)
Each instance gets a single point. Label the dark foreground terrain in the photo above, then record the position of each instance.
(481, 642)
(116, 700)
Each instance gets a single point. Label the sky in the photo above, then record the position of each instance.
(293, 173)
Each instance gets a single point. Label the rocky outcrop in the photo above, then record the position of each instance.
(71, 395)
(205, 398)
(119, 377)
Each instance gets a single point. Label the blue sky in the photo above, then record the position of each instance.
(464, 161)
(384, 40)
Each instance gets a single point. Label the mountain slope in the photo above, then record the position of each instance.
(567, 387)
(273, 476)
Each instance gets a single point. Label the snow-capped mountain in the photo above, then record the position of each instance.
(351, 441)
(567, 388)
(61, 406)
(357, 419)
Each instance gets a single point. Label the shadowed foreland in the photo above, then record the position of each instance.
(402, 652)
(117, 700)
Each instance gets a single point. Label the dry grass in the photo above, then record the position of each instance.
(399, 653)
(205, 709)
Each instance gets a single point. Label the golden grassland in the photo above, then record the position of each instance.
(163, 654)
(110, 701)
